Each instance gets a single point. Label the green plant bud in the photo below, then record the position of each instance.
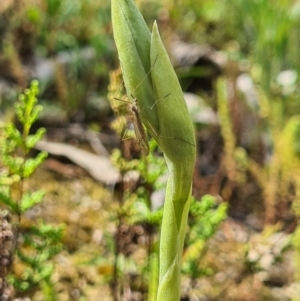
(132, 38)
(158, 100)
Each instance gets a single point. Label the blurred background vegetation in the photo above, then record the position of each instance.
(240, 62)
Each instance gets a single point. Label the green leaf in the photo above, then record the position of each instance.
(13, 138)
(6, 199)
(30, 200)
(32, 140)
(175, 134)
(26, 109)
(32, 164)
(6, 180)
(132, 38)
(14, 164)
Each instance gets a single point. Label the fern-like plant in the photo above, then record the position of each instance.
(34, 243)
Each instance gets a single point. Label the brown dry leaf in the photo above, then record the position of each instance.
(99, 167)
